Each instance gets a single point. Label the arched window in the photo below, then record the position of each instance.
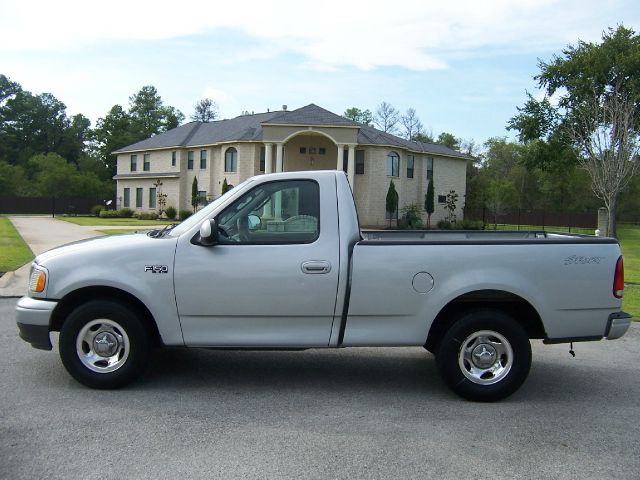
(393, 164)
(231, 160)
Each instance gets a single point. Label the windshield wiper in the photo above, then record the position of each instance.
(160, 233)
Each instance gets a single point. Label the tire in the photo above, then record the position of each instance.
(103, 344)
(484, 356)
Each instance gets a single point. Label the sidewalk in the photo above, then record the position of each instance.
(41, 234)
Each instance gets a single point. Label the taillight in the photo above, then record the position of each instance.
(618, 279)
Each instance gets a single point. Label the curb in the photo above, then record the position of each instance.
(6, 279)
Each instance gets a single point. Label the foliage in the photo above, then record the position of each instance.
(96, 209)
(184, 214)
(391, 204)
(429, 202)
(450, 206)
(411, 218)
(423, 137)
(225, 186)
(411, 124)
(448, 140)
(471, 225)
(149, 115)
(13, 180)
(361, 116)
(195, 198)
(14, 252)
(386, 117)
(205, 110)
(444, 225)
(171, 213)
(125, 212)
(147, 216)
(122, 213)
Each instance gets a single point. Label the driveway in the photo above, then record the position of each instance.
(351, 413)
(41, 234)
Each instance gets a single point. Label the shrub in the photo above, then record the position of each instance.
(109, 214)
(411, 218)
(96, 209)
(171, 213)
(125, 213)
(148, 216)
(444, 225)
(184, 214)
(472, 225)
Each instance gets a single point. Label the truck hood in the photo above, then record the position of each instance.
(105, 246)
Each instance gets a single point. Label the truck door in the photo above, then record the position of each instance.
(271, 279)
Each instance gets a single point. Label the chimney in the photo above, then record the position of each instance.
(284, 107)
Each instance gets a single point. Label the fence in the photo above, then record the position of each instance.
(49, 205)
(538, 218)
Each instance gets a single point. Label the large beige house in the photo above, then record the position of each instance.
(309, 138)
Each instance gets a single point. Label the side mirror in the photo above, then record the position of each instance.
(208, 235)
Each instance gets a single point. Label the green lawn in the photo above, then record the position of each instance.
(97, 221)
(13, 251)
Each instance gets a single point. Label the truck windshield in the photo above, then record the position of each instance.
(198, 217)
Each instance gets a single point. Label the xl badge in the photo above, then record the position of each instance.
(156, 268)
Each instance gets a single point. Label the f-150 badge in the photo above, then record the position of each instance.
(156, 268)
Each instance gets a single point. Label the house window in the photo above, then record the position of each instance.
(152, 198)
(202, 196)
(138, 198)
(442, 199)
(146, 165)
(134, 163)
(262, 158)
(190, 157)
(203, 159)
(410, 162)
(429, 168)
(359, 162)
(303, 149)
(322, 151)
(393, 164)
(127, 198)
(231, 160)
(173, 159)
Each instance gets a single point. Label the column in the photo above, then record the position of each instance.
(279, 157)
(340, 155)
(268, 167)
(351, 165)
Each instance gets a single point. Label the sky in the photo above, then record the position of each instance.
(464, 65)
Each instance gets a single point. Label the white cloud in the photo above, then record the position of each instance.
(415, 34)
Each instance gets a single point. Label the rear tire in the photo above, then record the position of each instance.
(103, 344)
(484, 356)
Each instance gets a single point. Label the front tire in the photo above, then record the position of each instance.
(103, 344)
(484, 356)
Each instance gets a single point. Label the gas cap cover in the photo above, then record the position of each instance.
(422, 282)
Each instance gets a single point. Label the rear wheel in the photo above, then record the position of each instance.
(484, 356)
(103, 344)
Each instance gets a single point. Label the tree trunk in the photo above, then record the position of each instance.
(613, 201)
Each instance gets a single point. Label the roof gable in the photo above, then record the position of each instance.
(311, 115)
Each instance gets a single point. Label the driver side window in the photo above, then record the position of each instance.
(281, 212)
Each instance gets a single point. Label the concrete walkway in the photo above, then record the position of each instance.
(41, 234)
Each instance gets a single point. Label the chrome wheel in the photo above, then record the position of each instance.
(103, 345)
(485, 357)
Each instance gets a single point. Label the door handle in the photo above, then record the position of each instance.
(316, 266)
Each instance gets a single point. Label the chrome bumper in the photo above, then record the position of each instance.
(32, 317)
(617, 325)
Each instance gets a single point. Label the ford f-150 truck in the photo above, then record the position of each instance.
(279, 262)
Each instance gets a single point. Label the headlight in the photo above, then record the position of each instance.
(37, 280)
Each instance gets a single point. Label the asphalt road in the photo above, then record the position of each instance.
(352, 413)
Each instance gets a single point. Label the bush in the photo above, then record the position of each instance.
(444, 225)
(125, 213)
(472, 225)
(171, 213)
(411, 218)
(96, 209)
(109, 214)
(184, 214)
(147, 216)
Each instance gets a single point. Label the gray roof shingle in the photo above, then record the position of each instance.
(249, 128)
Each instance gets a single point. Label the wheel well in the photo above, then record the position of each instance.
(72, 300)
(513, 305)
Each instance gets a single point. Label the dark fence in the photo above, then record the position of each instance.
(49, 205)
(538, 218)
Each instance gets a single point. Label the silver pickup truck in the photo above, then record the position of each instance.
(279, 262)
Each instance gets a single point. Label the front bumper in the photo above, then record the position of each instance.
(33, 318)
(617, 325)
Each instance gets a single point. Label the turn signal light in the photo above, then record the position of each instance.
(42, 279)
(618, 279)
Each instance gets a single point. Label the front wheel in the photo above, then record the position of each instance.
(103, 344)
(484, 356)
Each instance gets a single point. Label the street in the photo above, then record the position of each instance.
(351, 413)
